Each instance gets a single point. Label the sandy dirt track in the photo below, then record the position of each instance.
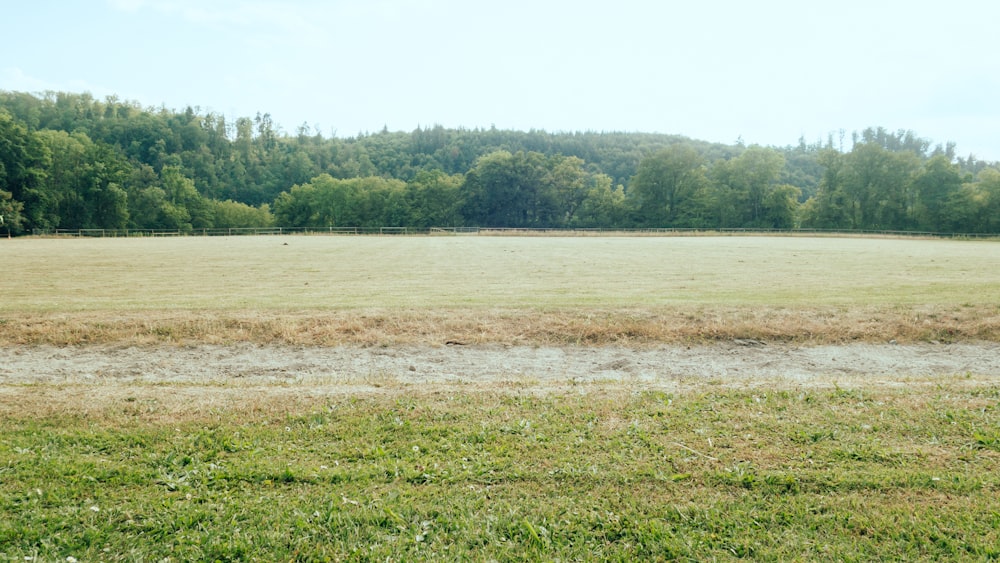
(346, 369)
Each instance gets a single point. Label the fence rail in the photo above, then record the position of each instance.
(494, 231)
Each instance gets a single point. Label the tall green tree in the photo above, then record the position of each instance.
(150, 208)
(507, 189)
(104, 180)
(24, 161)
(603, 206)
(10, 213)
(828, 209)
(781, 208)
(167, 200)
(570, 182)
(937, 194)
(879, 186)
(235, 215)
(85, 182)
(380, 202)
(670, 189)
(354, 202)
(980, 212)
(435, 199)
(180, 191)
(744, 189)
(66, 197)
(867, 188)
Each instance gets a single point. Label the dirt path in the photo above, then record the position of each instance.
(357, 369)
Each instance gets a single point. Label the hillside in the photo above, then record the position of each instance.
(71, 161)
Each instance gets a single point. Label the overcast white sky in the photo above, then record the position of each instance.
(768, 71)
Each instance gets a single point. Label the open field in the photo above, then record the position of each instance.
(329, 273)
(595, 290)
(499, 399)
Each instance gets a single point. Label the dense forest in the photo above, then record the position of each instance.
(70, 161)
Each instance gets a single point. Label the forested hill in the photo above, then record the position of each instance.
(70, 161)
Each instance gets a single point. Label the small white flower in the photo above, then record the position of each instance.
(416, 448)
(71, 559)
(95, 508)
(419, 538)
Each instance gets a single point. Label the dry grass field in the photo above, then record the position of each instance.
(329, 290)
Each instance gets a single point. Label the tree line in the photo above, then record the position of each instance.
(70, 161)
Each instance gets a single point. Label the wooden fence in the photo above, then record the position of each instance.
(493, 231)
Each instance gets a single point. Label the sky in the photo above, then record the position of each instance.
(766, 72)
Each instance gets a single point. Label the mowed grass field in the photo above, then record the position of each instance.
(124, 471)
(324, 290)
(324, 272)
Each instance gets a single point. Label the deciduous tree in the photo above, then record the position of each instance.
(670, 189)
(24, 161)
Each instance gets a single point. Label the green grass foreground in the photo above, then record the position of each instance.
(904, 473)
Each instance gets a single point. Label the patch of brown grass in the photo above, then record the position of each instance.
(381, 327)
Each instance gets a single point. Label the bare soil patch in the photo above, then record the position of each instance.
(361, 369)
(168, 382)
